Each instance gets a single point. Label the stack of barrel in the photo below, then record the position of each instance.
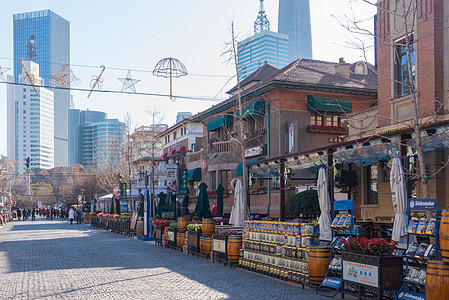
(437, 271)
(182, 228)
(208, 229)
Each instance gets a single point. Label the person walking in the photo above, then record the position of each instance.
(78, 216)
(33, 214)
(71, 215)
(19, 214)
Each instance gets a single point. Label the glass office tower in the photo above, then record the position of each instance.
(52, 50)
(294, 21)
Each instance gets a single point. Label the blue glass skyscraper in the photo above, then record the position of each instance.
(294, 21)
(52, 41)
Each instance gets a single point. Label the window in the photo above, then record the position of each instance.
(325, 118)
(225, 179)
(213, 180)
(402, 77)
(174, 135)
(373, 196)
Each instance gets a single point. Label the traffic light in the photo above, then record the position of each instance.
(28, 159)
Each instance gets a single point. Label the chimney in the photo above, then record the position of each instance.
(342, 68)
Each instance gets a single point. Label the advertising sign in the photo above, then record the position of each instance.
(260, 150)
(182, 186)
(423, 204)
(332, 282)
(115, 190)
(292, 136)
(39, 204)
(171, 236)
(123, 190)
(220, 246)
(408, 295)
(360, 273)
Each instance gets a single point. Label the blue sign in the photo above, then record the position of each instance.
(332, 282)
(408, 295)
(423, 204)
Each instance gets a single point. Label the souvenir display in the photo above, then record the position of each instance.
(413, 225)
(430, 230)
(335, 221)
(422, 226)
(412, 249)
(421, 250)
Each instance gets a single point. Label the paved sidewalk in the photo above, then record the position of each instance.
(56, 260)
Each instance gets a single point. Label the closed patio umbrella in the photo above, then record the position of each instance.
(159, 206)
(202, 207)
(237, 213)
(220, 191)
(185, 203)
(111, 211)
(399, 198)
(117, 206)
(325, 206)
(141, 206)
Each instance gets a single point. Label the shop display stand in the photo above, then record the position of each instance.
(333, 278)
(413, 290)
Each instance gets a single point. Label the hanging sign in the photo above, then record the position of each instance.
(292, 136)
(256, 151)
(115, 190)
(182, 186)
(423, 204)
(123, 190)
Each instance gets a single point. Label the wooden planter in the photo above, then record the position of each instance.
(194, 241)
(159, 234)
(367, 275)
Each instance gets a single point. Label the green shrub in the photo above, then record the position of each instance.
(305, 203)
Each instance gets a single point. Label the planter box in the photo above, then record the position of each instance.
(159, 234)
(367, 275)
(194, 241)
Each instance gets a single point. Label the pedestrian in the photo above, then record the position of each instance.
(24, 215)
(47, 214)
(78, 216)
(33, 214)
(19, 214)
(71, 215)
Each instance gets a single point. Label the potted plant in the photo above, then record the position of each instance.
(370, 262)
(195, 233)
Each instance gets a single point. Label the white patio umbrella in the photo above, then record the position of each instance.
(399, 198)
(237, 217)
(325, 206)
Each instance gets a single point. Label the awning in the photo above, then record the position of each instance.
(322, 103)
(169, 154)
(240, 165)
(182, 150)
(256, 108)
(224, 120)
(194, 174)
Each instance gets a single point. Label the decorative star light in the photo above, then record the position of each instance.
(128, 82)
(2, 72)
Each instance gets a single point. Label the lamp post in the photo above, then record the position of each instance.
(177, 157)
(147, 212)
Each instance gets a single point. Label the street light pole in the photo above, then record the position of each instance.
(147, 212)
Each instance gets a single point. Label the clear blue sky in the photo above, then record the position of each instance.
(137, 34)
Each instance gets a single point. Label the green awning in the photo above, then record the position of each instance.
(194, 174)
(322, 103)
(224, 120)
(240, 165)
(256, 108)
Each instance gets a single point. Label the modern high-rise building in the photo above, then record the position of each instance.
(93, 139)
(294, 21)
(50, 48)
(182, 115)
(30, 120)
(263, 46)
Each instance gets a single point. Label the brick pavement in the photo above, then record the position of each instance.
(56, 260)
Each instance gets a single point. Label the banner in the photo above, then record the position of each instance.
(123, 194)
(360, 273)
(182, 186)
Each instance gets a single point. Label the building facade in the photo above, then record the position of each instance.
(294, 21)
(93, 138)
(30, 122)
(50, 48)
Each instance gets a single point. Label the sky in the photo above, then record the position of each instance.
(136, 35)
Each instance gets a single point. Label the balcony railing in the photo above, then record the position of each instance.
(326, 129)
(219, 147)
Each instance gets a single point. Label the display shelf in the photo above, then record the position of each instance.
(419, 205)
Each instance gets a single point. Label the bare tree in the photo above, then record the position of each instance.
(405, 16)
(128, 148)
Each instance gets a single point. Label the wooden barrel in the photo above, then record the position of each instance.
(180, 237)
(208, 227)
(207, 244)
(437, 280)
(202, 244)
(182, 223)
(139, 229)
(234, 246)
(166, 235)
(444, 236)
(319, 259)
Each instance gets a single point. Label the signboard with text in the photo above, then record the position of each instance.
(423, 204)
(220, 246)
(360, 273)
(255, 151)
(123, 194)
(182, 186)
